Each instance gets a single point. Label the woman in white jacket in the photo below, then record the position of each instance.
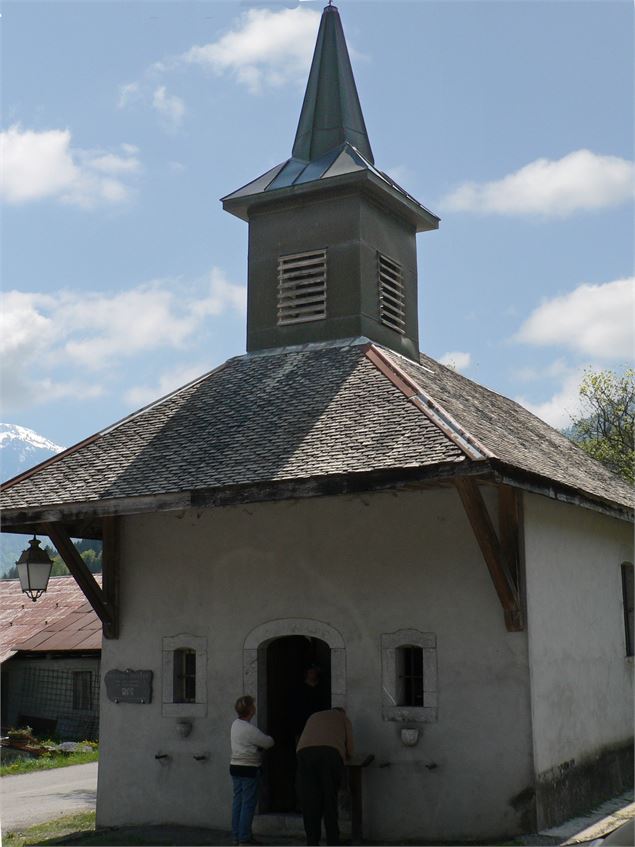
(247, 743)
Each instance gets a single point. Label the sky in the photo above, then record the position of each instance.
(125, 122)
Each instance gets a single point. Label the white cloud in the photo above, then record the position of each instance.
(127, 93)
(554, 370)
(169, 381)
(85, 335)
(170, 108)
(456, 360)
(35, 164)
(222, 296)
(28, 332)
(580, 181)
(592, 320)
(43, 165)
(564, 404)
(401, 173)
(145, 318)
(109, 163)
(265, 48)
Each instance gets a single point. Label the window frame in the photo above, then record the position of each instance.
(410, 679)
(391, 643)
(184, 677)
(83, 691)
(172, 645)
(629, 623)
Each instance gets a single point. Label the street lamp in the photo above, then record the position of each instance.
(34, 569)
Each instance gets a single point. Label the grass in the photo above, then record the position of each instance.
(44, 763)
(78, 830)
(52, 831)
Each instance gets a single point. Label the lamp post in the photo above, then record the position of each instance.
(34, 569)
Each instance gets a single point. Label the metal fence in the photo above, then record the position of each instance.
(62, 702)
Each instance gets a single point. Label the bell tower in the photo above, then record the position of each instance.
(332, 239)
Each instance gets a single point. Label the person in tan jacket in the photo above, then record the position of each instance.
(325, 745)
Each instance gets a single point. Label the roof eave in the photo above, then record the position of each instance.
(535, 483)
(29, 519)
(422, 219)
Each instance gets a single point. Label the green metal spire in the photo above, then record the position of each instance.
(331, 114)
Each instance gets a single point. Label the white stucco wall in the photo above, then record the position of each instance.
(366, 566)
(581, 680)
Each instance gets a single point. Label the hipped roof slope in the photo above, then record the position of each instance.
(514, 435)
(316, 411)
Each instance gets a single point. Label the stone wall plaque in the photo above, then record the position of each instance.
(129, 686)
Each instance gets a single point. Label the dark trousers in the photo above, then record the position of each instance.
(320, 771)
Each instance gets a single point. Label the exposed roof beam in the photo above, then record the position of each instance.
(96, 596)
(492, 550)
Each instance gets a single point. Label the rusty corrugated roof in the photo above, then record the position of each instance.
(62, 619)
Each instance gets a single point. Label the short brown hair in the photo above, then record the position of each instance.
(244, 705)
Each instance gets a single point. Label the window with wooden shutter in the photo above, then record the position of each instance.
(302, 287)
(392, 298)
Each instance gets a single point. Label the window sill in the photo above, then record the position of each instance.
(184, 710)
(407, 714)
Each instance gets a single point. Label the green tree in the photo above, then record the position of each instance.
(59, 568)
(90, 552)
(605, 428)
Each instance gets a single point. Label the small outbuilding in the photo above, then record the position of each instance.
(50, 657)
(461, 572)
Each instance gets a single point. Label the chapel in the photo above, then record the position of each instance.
(460, 573)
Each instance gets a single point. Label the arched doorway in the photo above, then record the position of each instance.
(275, 658)
(289, 702)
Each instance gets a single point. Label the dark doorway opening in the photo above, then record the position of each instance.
(288, 704)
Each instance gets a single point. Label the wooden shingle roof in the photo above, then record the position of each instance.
(324, 412)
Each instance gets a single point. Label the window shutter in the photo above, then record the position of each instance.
(392, 299)
(302, 287)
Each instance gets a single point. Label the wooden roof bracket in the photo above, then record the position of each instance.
(501, 555)
(103, 600)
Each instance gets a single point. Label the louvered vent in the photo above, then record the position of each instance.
(302, 287)
(392, 300)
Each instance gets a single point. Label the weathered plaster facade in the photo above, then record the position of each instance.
(581, 679)
(357, 567)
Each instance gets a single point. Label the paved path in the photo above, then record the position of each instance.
(596, 823)
(30, 798)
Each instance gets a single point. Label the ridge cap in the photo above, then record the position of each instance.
(435, 411)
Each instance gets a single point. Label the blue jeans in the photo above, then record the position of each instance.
(244, 806)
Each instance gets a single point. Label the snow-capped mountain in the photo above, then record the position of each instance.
(21, 449)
